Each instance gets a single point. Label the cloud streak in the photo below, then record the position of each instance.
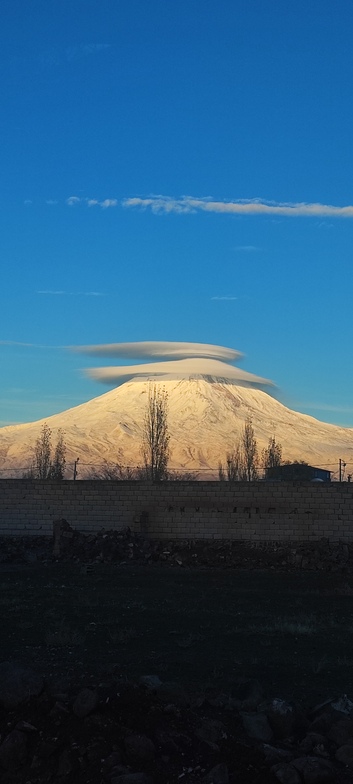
(72, 201)
(224, 299)
(59, 293)
(188, 204)
(181, 368)
(163, 349)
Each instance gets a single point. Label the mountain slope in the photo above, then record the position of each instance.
(205, 419)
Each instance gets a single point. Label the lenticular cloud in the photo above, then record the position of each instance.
(158, 348)
(176, 360)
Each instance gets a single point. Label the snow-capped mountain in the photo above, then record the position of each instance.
(206, 417)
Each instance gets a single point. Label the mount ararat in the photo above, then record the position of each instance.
(206, 417)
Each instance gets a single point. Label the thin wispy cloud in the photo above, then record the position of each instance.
(327, 407)
(187, 204)
(104, 204)
(59, 292)
(23, 345)
(226, 299)
(55, 293)
(246, 248)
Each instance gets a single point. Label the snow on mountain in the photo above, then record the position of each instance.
(205, 417)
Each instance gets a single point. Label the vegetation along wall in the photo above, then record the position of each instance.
(256, 511)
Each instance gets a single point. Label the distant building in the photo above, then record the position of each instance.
(298, 472)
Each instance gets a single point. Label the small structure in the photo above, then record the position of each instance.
(298, 472)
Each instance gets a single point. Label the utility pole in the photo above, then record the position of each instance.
(341, 464)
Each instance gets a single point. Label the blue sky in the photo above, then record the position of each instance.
(152, 156)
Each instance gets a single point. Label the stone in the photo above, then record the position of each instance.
(217, 775)
(312, 741)
(151, 682)
(65, 764)
(249, 693)
(285, 774)
(211, 731)
(273, 755)
(132, 778)
(343, 704)
(341, 732)
(345, 755)
(85, 702)
(18, 684)
(139, 747)
(282, 718)
(256, 726)
(314, 770)
(13, 750)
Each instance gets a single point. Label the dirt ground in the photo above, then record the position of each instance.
(202, 628)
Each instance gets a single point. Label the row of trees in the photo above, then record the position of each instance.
(241, 464)
(48, 461)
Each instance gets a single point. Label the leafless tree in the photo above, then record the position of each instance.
(272, 455)
(45, 464)
(249, 448)
(116, 472)
(155, 437)
(234, 470)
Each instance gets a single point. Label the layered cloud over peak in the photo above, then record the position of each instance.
(180, 368)
(158, 348)
(176, 360)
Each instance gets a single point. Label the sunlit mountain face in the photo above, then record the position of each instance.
(206, 416)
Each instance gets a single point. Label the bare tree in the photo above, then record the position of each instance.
(249, 448)
(272, 455)
(44, 464)
(57, 464)
(42, 454)
(116, 472)
(155, 438)
(234, 470)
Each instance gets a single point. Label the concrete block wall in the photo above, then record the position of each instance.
(258, 511)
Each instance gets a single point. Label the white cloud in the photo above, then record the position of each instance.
(224, 298)
(187, 204)
(71, 293)
(181, 368)
(108, 203)
(93, 294)
(49, 291)
(73, 200)
(104, 204)
(159, 348)
(327, 407)
(23, 345)
(246, 248)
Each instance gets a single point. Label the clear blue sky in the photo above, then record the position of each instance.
(224, 102)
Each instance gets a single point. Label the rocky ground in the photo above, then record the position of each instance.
(126, 547)
(117, 730)
(152, 732)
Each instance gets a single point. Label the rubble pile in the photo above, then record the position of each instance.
(150, 732)
(126, 547)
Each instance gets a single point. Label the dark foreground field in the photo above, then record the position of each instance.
(203, 633)
(294, 632)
